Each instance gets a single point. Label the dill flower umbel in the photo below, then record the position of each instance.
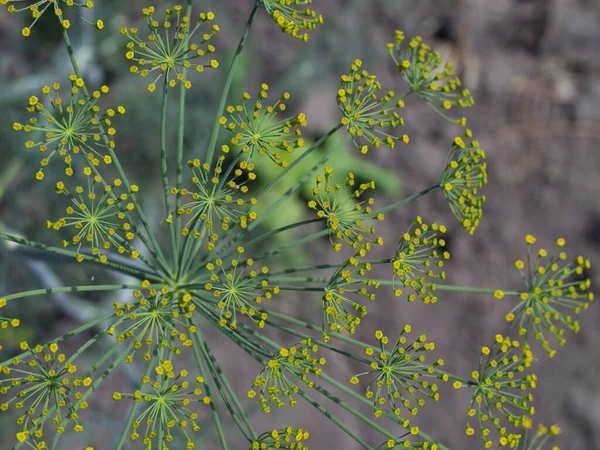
(397, 375)
(419, 251)
(422, 69)
(273, 383)
(293, 16)
(238, 288)
(464, 175)
(366, 115)
(156, 320)
(537, 440)
(39, 7)
(168, 55)
(258, 130)
(500, 390)
(340, 311)
(70, 129)
(98, 217)
(166, 405)
(346, 217)
(41, 386)
(285, 438)
(215, 200)
(556, 288)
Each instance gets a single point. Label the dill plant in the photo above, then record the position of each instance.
(213, 274)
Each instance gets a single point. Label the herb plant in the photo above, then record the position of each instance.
(213, 273)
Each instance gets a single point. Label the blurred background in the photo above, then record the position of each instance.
(534, 71)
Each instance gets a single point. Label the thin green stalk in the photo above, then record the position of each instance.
(220, 378)
(165, 169)
(334, 419)
(154, 248)
(306, 240)
(452, 288)
(321, 267)
(406, 200)
(298, 160)
(118, 267)
(98, 287)
(215, 415)
(230, 75)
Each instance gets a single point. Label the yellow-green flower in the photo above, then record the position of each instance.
(78, 127)
(96, 218)
(6, 322)
(435, 83)
(464, 175)
(169, 49)
(273, 383)
(258, 130)
(347, 217)
(555, 289)
(419, 252)
(156, 320)
(340, 311)
(293, 16)
(534, 441)
(403, 444)
(501, 390)
(239, 288)
(216, 204)
(398, 376)
(39, 7)
(166, 403)
(367, 117)
(285, 438)
(42, 387)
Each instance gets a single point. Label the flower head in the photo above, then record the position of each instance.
(42, 381)
(420, 250)
(346, 217)
(556, 288)
(166, 405)
(422, 69)
(273, 383)
(98, 217)
(500, 390)
(463, 177)
(293, 16)
(366, 115)
(285, 438)
(397, 375)
(39, 7)
(258, 129)
(215, 205)
(239, 288)
(70, 129)
(156, 320)
(340, 311)
(166, 54)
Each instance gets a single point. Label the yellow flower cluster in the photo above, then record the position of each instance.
(257, 129)
(420, 250)
(366, 115)
(285, 438)
(165, 55)
(292, 16)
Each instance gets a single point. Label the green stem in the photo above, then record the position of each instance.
(165, 169)
(118, 267)
(306, 240)
(98, 287)
(298, 160)
(452, 288)
(230, 75)
(406, 200)
(196, 344)
(152, 245)
(180, 138)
